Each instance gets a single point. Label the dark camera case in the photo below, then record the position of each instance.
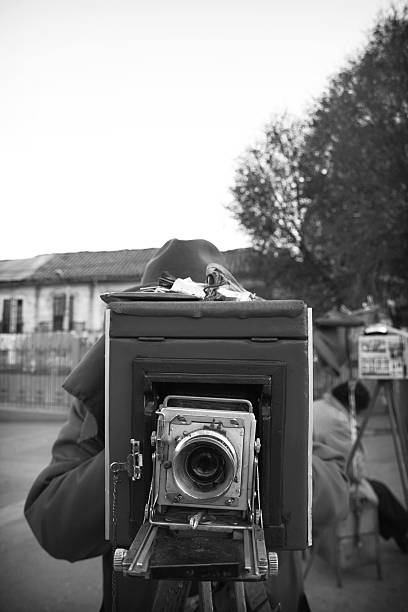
(259, 351)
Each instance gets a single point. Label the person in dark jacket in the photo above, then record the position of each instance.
(65, 506)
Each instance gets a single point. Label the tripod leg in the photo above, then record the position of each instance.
(400, 445)
(378, 556)
(363, 426)
(206, 599)
(240, 605)
(170, 596)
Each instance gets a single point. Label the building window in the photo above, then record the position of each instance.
(19, 324)
(71, 313)
(12, 322)
(58, 312)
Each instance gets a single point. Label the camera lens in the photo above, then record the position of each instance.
(205, 466)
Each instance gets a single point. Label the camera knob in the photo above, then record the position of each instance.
(273, 563)
(118, 558)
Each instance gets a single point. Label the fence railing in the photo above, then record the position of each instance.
(34, 366)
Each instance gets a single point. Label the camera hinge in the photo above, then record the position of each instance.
(133, 464)
(157, 437)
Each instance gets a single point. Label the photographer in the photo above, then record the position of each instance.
(332, 417)
(65, 507)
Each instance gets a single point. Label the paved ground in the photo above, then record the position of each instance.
(362, 591)
(31, 580)
(34, 582)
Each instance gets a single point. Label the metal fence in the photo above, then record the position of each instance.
(34, 366)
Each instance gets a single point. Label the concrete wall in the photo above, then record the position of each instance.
(38, 304)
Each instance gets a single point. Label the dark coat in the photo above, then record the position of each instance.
(65, 509)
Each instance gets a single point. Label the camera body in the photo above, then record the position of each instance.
(208, 436)
(204, 456)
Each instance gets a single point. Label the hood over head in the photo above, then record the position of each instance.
(180, 258)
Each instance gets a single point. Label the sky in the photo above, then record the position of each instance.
(122, 122)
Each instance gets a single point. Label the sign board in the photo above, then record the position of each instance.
(383, 356)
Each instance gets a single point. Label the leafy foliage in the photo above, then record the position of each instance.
(326, 201)
(268, 188)
(356, 163)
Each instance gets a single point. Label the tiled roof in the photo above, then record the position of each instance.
(241, 261)
(99, 265)
(85, 266)
(21, 269)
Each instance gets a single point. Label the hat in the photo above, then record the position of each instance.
(182, 259)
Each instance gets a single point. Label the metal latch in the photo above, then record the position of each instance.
(133, 464)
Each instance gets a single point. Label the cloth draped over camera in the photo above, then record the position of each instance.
(86, 382)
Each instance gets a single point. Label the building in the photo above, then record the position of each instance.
(61, 292)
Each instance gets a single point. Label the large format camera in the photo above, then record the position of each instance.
(208, 451)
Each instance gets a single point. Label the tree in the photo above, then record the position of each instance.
(270, 204)
(356, 167)
(268, 191)
(326, 202)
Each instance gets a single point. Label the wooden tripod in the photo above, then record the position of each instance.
(171, 597)
(398, 431)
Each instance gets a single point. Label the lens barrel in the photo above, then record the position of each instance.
(204, 464)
